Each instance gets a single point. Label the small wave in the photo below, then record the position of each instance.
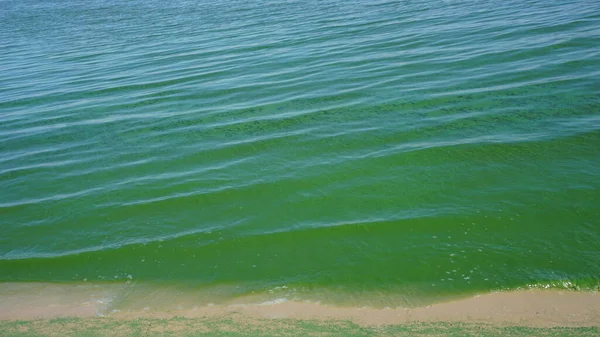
(275, 301)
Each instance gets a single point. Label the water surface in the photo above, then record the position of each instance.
(394, 152)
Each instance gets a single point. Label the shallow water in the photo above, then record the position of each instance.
(345, 152)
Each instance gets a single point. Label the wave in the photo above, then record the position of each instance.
(371, 146)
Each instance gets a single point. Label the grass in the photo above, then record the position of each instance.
(232, 326)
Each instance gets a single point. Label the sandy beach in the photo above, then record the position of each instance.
(534, 308)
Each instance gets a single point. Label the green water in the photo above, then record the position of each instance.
(388, 151)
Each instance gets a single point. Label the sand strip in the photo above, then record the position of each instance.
(535, 308)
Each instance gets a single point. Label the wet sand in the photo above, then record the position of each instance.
(534, 308)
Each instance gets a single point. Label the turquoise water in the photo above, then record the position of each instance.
(401, 151)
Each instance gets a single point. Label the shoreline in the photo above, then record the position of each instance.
(531, 308)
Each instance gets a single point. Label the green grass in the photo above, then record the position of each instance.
(232, 326)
